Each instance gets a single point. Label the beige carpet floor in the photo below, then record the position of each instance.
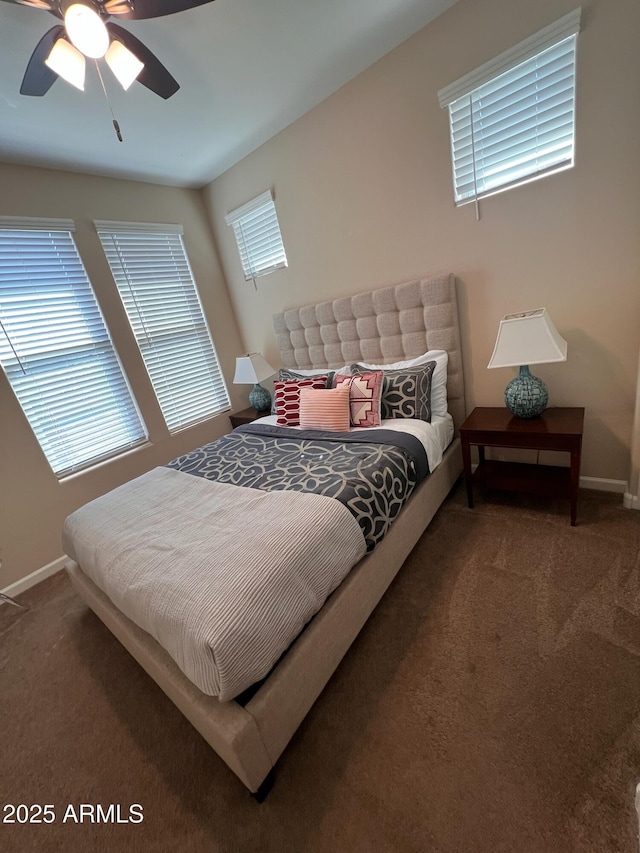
(491, 703)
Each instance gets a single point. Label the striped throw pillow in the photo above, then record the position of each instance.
(325, 409)
(287, 397)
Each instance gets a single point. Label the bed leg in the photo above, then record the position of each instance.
(267, 784)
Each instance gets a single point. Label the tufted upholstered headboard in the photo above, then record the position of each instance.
(380, 326)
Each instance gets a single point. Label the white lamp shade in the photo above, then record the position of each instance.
(527, 338)
(67, 62)
(124, 64)
(252, 368)
(87, 30)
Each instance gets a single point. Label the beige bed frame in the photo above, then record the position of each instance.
(380, 327)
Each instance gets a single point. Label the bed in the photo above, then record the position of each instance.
(250, 731)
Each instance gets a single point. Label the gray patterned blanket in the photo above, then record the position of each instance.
(372, 474)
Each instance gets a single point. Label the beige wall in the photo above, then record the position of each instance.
(33, 504)
(363, 191)
(364, 197)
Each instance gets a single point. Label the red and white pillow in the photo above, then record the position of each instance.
(326, 409)
(287, 398)
(365, 393)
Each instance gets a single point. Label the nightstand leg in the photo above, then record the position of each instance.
(575, 483)
(468, 477)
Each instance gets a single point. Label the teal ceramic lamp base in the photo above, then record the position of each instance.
(260, 398)
(526, 396)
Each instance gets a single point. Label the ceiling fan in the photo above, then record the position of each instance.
(87, 32)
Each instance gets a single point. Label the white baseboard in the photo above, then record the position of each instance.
(601, 484)
(631, 501)
(35, 577)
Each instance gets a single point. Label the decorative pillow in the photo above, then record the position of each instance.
(285, 375)
(365, 392)
(439, 406)
(325, 409)
(287, 398)
(405, 393)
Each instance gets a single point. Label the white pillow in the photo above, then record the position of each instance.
(438, 380)
(316, 370)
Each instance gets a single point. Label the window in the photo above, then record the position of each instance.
(512, 119)
(152, 273)
(258, 236)
(56, 350)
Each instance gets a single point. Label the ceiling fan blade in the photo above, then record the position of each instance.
(35, 4)
(39, 78)
(154, 75)
(137, 10)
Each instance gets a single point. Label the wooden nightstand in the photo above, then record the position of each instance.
(246, 416)
(555, 429)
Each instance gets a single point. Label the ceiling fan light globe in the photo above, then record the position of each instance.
(86, 30)
(67, 62)
(125, 65)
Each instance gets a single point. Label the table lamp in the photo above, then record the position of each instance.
(524, 339)
(251, 369)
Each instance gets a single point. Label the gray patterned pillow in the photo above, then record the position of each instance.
(285, 375)
(406, 393)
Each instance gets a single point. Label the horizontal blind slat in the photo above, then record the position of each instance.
(523, 123)
(58, 355)
(258, 237)
(155, 283)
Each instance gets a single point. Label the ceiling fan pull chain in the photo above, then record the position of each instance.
(116, 126)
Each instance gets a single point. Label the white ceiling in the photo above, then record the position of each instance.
(247, 69)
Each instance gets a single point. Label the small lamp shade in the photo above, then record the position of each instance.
(124, 64)
(524, 339)
(527, 338)
(67, 62)
(251, 369)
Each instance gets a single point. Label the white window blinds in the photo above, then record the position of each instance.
(56, 350)
(258, 236)
(151, 270)
(513, 119)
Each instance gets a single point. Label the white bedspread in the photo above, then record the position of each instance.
(222, 576)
